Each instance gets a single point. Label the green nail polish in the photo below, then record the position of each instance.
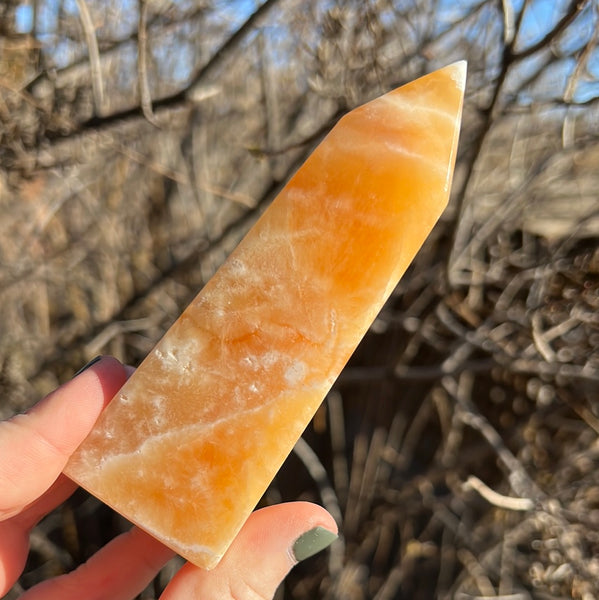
(311, 542)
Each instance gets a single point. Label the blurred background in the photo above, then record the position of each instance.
(140, 139)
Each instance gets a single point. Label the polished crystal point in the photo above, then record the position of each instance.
(188, 446)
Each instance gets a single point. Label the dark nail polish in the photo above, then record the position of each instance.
(311, 542)
(93, 361)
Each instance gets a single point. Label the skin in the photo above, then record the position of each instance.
(35, 446)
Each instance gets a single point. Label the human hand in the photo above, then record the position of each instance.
(34, 448)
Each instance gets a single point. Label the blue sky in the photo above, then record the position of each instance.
(121, 18)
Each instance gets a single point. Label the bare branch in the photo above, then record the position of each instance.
(94, 55)
(142, 64)
(575, 8)
(519, 479)
(581, 65)
(509, 27)
(495, 498)
(181, 98)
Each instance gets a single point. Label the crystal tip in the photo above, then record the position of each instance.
(458, 72)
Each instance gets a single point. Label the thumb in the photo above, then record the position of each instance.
(35, 446)
(270, 543)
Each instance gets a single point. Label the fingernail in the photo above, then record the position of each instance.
(311, 542)
(93, 361)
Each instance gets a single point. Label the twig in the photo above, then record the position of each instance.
(94, 56)
(580, 409)
(446, 562)
(141, 159)
(539, 340)
(509, 27)
(542, 339)
(237, 197)
(373, 459)
(448, 367)
(352, 509)
(41, 543)
(516, 596)
(575, 8)
(414, 433)
(495, 498)
(338, 445)
(145, 96)
(23, 93)
(391, 585)
(474, 568)
(519, 480)
(568, 371)
(114, 329)
(506, 569)
(568, 128)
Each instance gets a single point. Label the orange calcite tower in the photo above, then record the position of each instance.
(188, 446)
